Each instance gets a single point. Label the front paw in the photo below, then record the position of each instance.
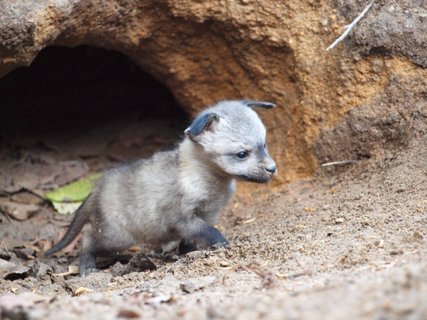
(85, 271)
(186, 246)
(208, 237)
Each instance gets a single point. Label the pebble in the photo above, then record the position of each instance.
(339, 220)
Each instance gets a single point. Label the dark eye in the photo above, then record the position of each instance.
(265, 145)
(242, 154)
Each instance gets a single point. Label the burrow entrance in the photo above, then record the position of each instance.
(86, 98)
(73, 112)
(67, 86)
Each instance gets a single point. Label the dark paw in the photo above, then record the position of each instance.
(221, 245)
(87, 263)
(209, 237)
(84, 272)
(186, 247)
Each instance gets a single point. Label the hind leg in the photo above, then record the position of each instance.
(87, 259)
(87, 263)
(101, 244)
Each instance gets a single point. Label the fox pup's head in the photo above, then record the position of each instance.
(232, 137)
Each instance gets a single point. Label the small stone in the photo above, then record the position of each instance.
(396, 251)
(339, 220)
(19, 211)
(80, 291)
(11, 271)
(394, 116)
(377, 65)
(379, 243)
(197, 284)
(324, 22)
(128, 314)
(418, 236)
(39, 269)
(188, 287)
(224, 264)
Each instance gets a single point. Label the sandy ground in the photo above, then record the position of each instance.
(348, 244)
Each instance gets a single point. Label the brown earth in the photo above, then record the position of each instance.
(349, 242)
(339, 245)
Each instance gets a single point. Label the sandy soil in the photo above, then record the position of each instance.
(346, 244)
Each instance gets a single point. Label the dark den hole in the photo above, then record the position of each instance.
(66, 86)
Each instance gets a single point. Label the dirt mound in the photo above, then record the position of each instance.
(387, 123)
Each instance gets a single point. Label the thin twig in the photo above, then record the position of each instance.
(350, 26)
(337, 163)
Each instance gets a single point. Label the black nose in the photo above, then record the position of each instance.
(271, 169)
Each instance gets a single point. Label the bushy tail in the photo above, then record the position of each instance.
(81, 217)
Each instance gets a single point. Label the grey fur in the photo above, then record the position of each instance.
(175, 195)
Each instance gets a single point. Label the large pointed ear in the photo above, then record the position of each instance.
(200, 124)
(258, 104)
